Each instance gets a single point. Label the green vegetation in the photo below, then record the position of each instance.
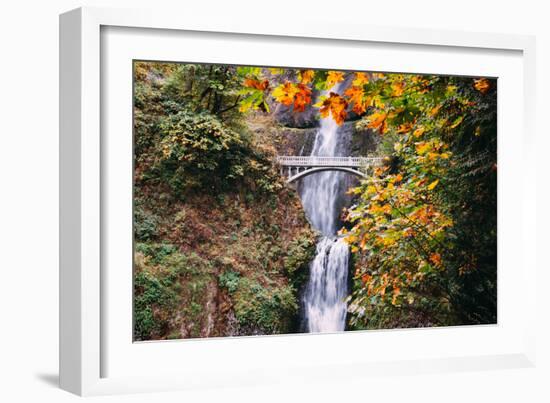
(422, 228)
(223, 246)
(211, 256)
(170, 289)
(268, 307)
(296, 263)
(425, 224)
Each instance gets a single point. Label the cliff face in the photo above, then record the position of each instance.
(286, 133)
(226, 263)
(289, 137)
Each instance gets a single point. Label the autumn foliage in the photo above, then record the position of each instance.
(335, 106)
(298, 95)
(423, 226)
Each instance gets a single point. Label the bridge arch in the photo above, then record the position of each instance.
(310, 171)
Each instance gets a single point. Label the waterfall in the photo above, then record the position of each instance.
(322, 197)
(325, 307)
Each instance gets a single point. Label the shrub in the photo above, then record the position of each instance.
(145, 225)
(265, 309)
(150, 293)
(229, 280)
(169, 291)
(157, 252)
(198, 149)
(301, 251)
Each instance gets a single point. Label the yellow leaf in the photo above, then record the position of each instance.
(433, 184)
(276, 71)
(398, 88)
(360, 79)
(306, 76)
(422, 147)
(451, 90)
(419, 132)
(333, 78)
(377, 102)
(284, 93)
(433, 156)
(457, 122)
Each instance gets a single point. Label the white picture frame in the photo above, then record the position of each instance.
(84, 339)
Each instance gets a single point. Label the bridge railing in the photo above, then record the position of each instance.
(315, 161)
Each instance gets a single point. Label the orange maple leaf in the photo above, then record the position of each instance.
(396, 292)
(253, 83)
(398, 88)
(306, 76)
(288, 94)
(365, 278)
(419, 132)
(377, 121)
(482, 85)
(435, 258)
(356, 95)
(336, 106)
(405, 127)
(434, 111)
(302, 98)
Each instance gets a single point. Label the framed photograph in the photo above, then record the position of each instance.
(240, 198)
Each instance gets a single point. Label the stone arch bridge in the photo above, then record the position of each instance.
(297, 167)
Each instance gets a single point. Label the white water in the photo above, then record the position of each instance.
(324, 300)
(321, 194)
